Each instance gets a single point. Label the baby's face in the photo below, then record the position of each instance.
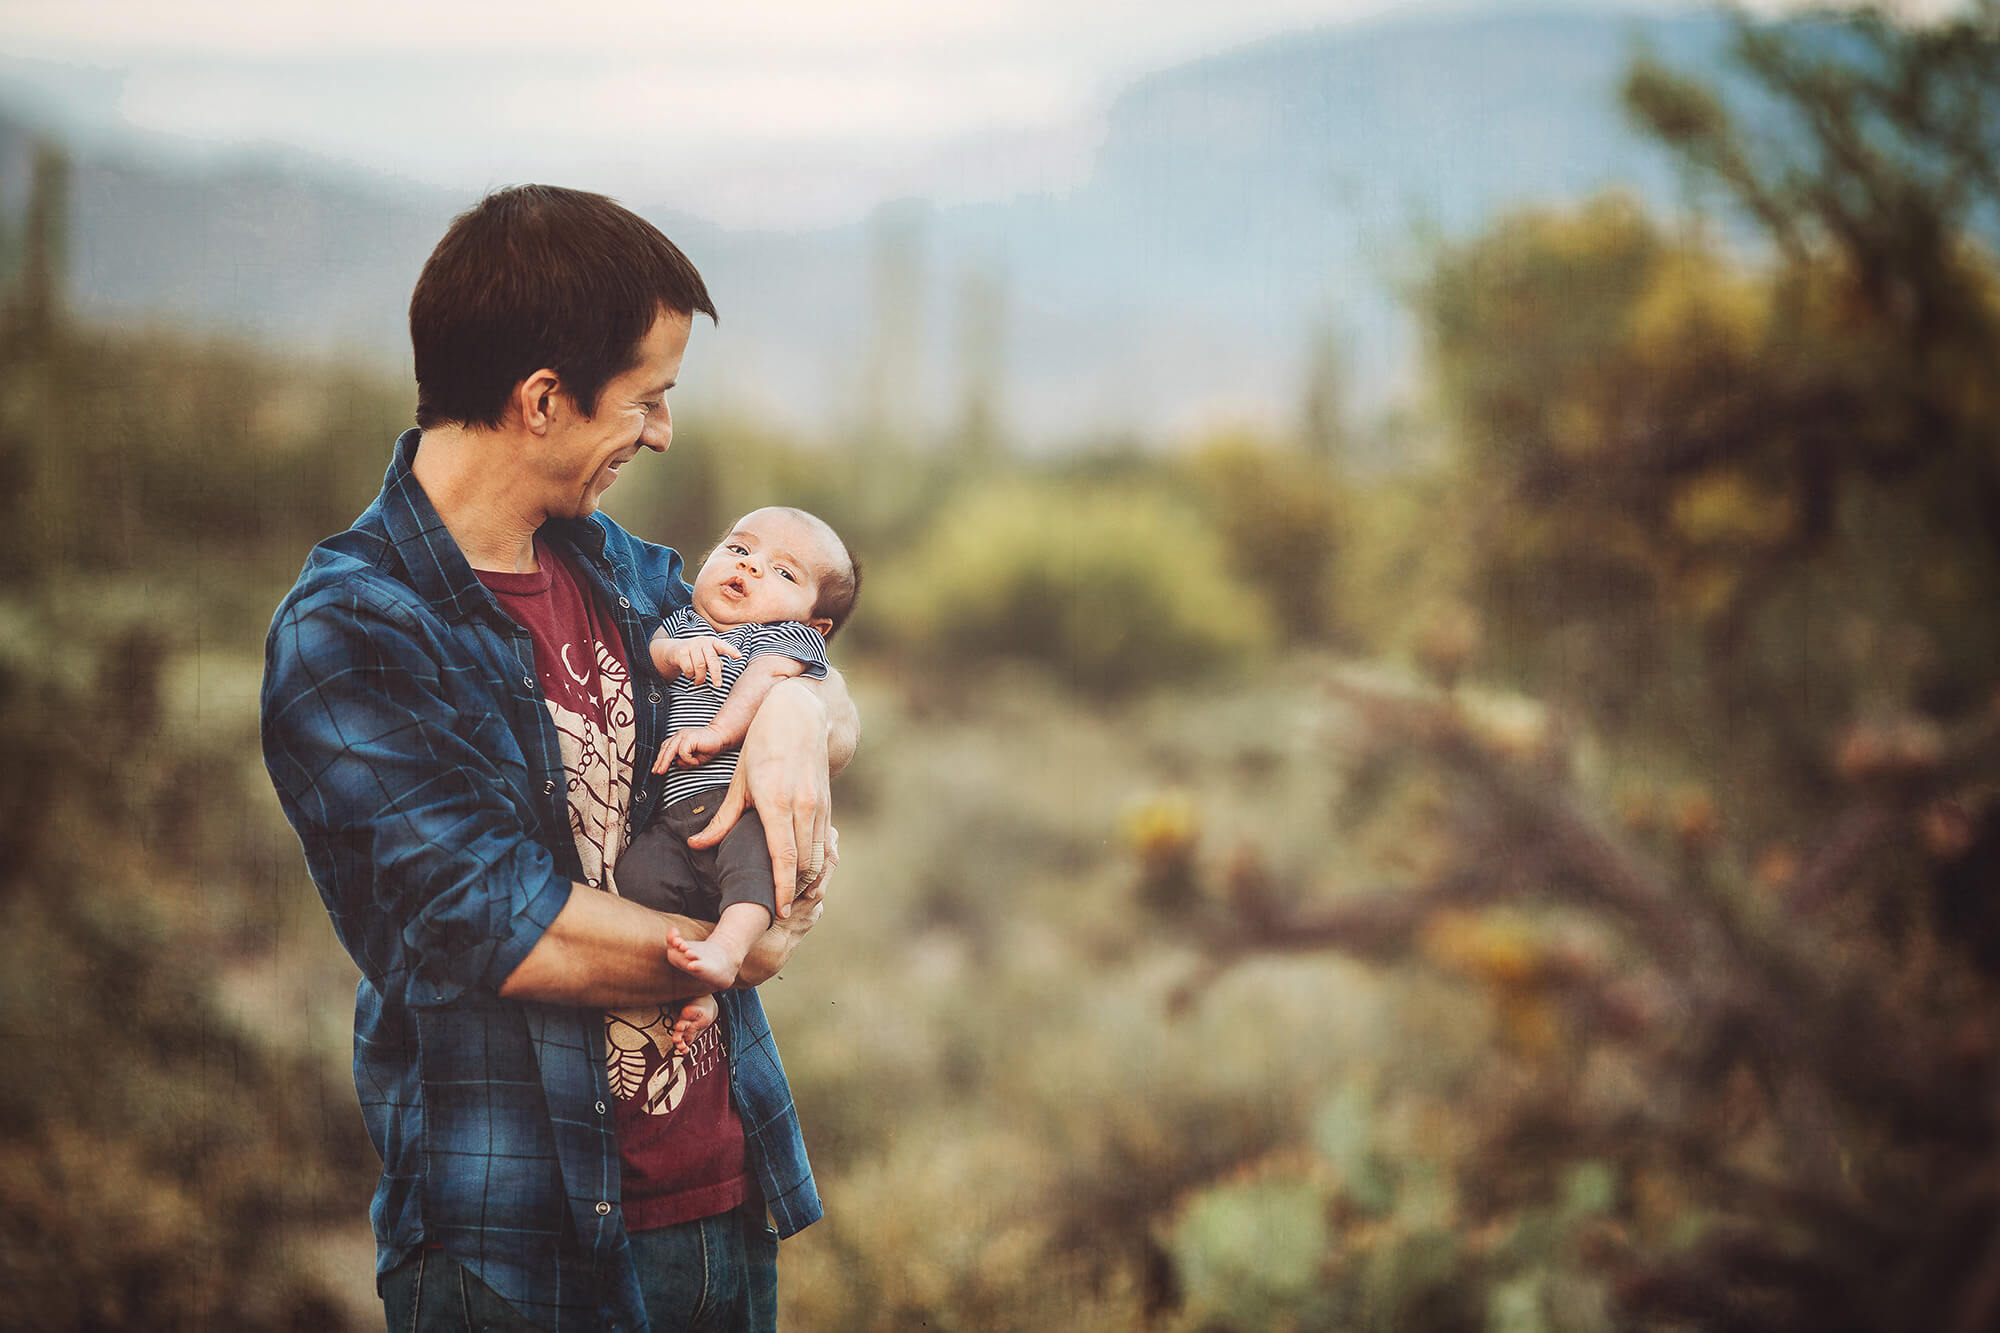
(767, 569)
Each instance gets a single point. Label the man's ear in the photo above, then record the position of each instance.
(534, 398)
(823, 625)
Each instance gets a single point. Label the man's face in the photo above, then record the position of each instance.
(766, 570)
(581, 455)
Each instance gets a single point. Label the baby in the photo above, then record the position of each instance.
(766, 600)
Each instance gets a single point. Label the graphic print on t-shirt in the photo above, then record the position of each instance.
(597, 753)
(642, 1057)
(588, 689)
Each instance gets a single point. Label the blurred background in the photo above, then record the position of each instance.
(1431, 681)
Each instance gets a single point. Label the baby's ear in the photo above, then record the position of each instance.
(823, 625)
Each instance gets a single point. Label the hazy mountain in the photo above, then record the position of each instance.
(1235, 205)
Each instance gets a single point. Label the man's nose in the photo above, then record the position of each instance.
(659, 431)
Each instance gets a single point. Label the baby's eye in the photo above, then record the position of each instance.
(735, 548)
(789, 576)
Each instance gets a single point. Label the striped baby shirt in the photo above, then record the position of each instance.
(696, 705)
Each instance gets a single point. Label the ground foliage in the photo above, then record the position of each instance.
(165, 1160)
(1729, 886)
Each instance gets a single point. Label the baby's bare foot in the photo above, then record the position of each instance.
(705, 960)
(696, 1014)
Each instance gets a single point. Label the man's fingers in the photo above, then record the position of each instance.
(781, 836)
(781, 839)
(811, 902)
(812, 852)
(822, 826)
(810, 816)
(726, 815)
(815, 884)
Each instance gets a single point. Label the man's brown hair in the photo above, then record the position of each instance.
(534, 276)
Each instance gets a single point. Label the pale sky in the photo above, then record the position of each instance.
(825, 104)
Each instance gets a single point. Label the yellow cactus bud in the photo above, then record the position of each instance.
(1696, 820)
(1447, 642)
(1777, 866)
(1162, 828)
(1501, 953)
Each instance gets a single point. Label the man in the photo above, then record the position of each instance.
(454, 694)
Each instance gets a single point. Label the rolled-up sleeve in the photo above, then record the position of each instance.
(406, 795)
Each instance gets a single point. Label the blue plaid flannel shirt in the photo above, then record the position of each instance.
(413, 754)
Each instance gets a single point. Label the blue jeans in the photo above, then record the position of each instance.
(717, 1275)
(434, 1293)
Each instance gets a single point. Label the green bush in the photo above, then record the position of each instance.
(1107, 588)
(1278, 511)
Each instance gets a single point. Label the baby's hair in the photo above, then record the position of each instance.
(839, 587)
(839, 583)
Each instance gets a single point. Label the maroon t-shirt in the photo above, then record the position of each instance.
(679, 1139)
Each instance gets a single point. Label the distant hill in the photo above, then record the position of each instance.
(1237, 203)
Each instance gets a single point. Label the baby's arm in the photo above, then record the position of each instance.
(696, 745)
(698, 657)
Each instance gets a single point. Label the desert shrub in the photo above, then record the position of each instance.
(159, 1161)
(1106, 588)
(1278, 512)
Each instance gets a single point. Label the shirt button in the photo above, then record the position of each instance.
(529, 681)
(639, 795)
(600, 1108)
(652, 696)
(548, 787)
(622, 602)
(603, 1208)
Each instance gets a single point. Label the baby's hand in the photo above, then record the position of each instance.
(699, 659)
(690, 747)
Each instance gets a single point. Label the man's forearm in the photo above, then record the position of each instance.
(605, 952)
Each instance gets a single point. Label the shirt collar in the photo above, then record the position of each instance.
(431, 557)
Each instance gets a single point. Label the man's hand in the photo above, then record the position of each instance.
(782, 771)
(698, 659)
(775, 948)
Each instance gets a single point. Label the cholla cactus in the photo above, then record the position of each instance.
(1819, 1097)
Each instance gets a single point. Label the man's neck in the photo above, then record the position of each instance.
(475, 493)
